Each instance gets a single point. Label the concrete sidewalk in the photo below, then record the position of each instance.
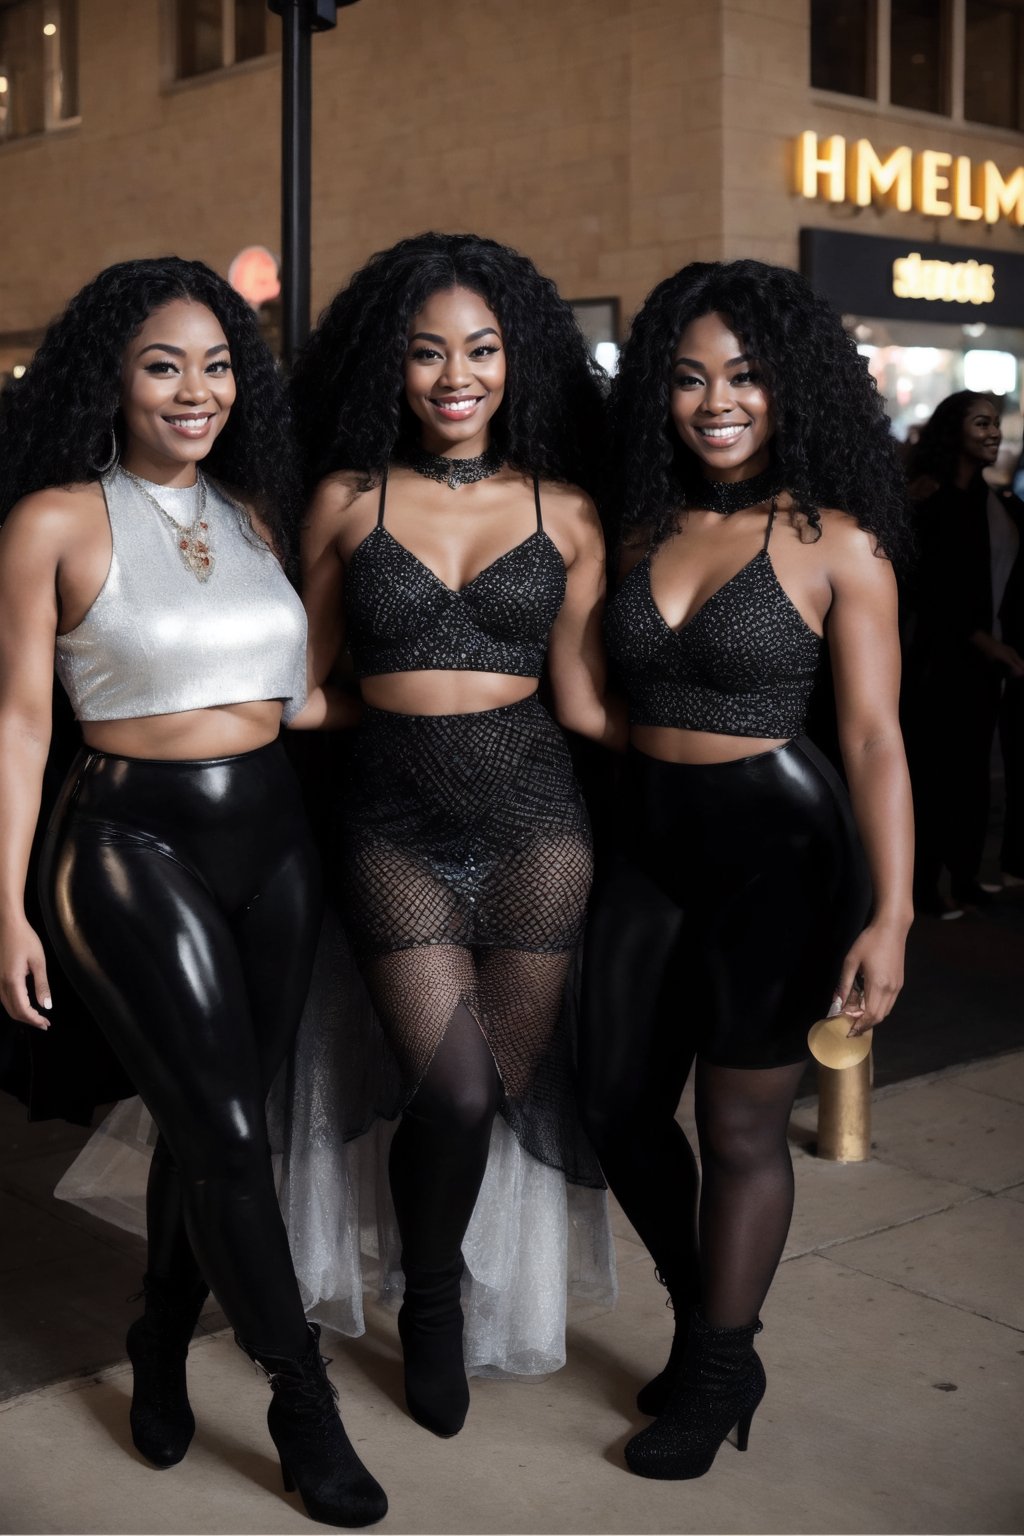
(893, 1343)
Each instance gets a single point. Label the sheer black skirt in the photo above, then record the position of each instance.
(465, 864)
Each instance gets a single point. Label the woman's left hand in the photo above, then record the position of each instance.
(872, 976)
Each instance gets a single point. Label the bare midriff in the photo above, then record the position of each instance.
(673, 745)
(224, 731)
(445, 693)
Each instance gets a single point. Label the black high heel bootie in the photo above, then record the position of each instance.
(316, 1454)
(721, 1384)
(430, 1325)
(161, 1417)
(653, 1398)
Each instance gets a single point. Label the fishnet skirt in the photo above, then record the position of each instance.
(465, 867)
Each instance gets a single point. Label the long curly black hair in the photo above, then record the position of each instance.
(832, 443)
(55, 423)
(936, 454)
(348, 398)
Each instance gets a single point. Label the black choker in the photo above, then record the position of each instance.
(453, 472)
(727, 496)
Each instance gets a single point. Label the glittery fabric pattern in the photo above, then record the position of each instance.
(744, 665)
(466, 865)
(401, 617)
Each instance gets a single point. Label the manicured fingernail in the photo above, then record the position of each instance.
(47, 1002)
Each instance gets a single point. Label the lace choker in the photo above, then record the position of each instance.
(727, 496)
(453, 472)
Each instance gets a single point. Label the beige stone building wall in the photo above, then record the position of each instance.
(611, 140)
(767, 101)
(560, 126)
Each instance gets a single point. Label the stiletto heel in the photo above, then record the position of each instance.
(722, 1383)
(316, 1455)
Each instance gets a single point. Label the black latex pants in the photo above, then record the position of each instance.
(184, 901)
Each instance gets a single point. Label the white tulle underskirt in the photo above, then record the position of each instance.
(534, 1239)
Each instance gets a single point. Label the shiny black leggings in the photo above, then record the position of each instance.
(718, 929)
(183, 899)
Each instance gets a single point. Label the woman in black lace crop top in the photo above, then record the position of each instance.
(760, 499)
(447, 404)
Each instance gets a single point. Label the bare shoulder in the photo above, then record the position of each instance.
(570, 517)
(852, 558)
(56, 518)
(341, 504)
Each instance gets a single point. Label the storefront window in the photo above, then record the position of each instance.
(916, 365)
(919, 54)
(214, 34)
(842, 32)
(994, 63)
(38, 66)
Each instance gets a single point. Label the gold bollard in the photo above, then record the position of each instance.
(844, 1112)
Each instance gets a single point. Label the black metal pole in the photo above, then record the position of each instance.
(296, 140)
(299, 20)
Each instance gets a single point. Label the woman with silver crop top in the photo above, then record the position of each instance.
(761, 505)
(450, 410)
(146, 487)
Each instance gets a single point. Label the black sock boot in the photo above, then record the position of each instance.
(721, 1384)
(161, 1416)
(653, 1398)
(316, 1454)
(430, 1325)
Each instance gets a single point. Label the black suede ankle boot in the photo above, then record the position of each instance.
(316, 1454)
(721, 1384)
(161, 1417)
(430, 1324)
(653, 1398)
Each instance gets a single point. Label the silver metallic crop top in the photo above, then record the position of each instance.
(158, 641)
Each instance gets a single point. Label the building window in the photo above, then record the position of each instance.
(994, 63)
(842, 34)
(38, 66)
(919, 52)
(214, 34)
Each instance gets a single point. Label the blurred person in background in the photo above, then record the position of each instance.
(965, 654)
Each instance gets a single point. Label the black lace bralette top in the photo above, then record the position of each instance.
(743, 665)
(401, 617)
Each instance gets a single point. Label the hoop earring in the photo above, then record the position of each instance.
(101, 469)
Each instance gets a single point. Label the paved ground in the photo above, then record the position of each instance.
(894, 1336)
(894, 1345)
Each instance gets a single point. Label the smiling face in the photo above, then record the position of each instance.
(177, 390)
(981, 434)
(455, 372)
(720, 406)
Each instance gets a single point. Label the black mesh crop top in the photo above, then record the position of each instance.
(743, 665)
(401, 617)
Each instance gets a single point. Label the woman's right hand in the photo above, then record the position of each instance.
(999, 653)
(21, 956)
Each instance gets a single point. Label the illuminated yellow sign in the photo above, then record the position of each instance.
(954, 282)
(926, 181)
